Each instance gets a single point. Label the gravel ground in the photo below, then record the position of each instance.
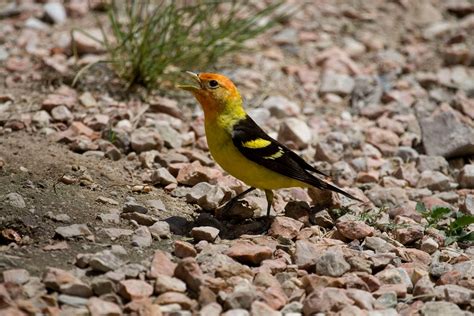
(111, 205)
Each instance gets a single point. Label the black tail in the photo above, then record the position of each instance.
(321, 184)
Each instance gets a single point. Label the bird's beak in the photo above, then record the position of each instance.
(191, 88)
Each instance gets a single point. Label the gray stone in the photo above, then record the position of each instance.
(160, 229)
(295, 131)
(441, 309)
(336, 83)
(433, 163)
(433, 180)
(332, 263)
(407, 153)
(144, 139)
(171, 138)
(105, 261)
(55, 12)
(15, 200)
(62, 114)
(378, 244)
(280, 106)
(72, 300)
(41, 118)
(444, 135)
(454, 293)
(142, 237)
(75, 230)
(164, 283)
(207, 233)
(466, 177)
(132, 206)
(387, 196)
(162, 176)
(241, 299)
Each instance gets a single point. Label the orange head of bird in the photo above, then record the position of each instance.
(216, 93)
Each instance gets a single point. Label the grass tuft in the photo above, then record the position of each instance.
(153, 40)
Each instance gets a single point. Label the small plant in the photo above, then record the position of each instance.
(454, 230)
(155, 39)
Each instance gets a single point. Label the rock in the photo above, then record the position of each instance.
(467, 206)
(88, 41)
(55, 12)
(410, 234)
(15, 200)
(329, 151)
(362, 299)
(75, 230)
(134, 289)
(73, 301)
(164, 283)
(444, 135)
(454, 293)
(280, 106)
(206, 195)
(339, 84)
(249, 253)
(386, 141)
(41, 118)
(429, 245)
(62, 114)
(170, 137)
(105, 261)
(331, 263)
(424, 286)
(99, 307)
(236, 312)
(103, 285)
(65, 282)
(189, 271)
(161, 264)
(466, 177)
(354, 229)
(142, 237)
(162, 176)
(175, 298)
(387, 196)
(144, 139)
(193, 173)
(139, 218)
(262, 309)
(211, 309)
(433, 180)
(115, 233)
(433, 163)
(285, 226)
(183, 249)
(207, 233)
(441, 309)
(241, 298)
(407, 153)
(325, 301)
(134, 207)
(160, 229)
(296, 131)
(16, 276)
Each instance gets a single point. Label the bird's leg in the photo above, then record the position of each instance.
(232, 201)
(269, 196)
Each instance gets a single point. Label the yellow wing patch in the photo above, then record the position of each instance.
(256, 143)
(276, 155)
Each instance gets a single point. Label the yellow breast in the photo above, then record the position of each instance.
(231, 160)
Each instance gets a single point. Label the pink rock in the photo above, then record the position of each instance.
(161, 264)
(189, 271)
(248, 252)
(207, 233)
(175, 298)
(193, 173)
(354, 229)
(285, 226)
(385, 140)
(183, 249)
(134, 289)
(16, 276)
(99, 307)
(325, 301)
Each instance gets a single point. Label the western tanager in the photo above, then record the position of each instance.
(243, 149)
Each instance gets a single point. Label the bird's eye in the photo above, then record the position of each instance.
(213, 84)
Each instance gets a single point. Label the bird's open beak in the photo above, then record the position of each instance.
(192, 88)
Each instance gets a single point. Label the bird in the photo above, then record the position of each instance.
(243, 149)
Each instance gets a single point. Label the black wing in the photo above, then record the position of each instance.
(276, 156)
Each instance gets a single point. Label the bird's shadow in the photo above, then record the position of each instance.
(228, 228)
